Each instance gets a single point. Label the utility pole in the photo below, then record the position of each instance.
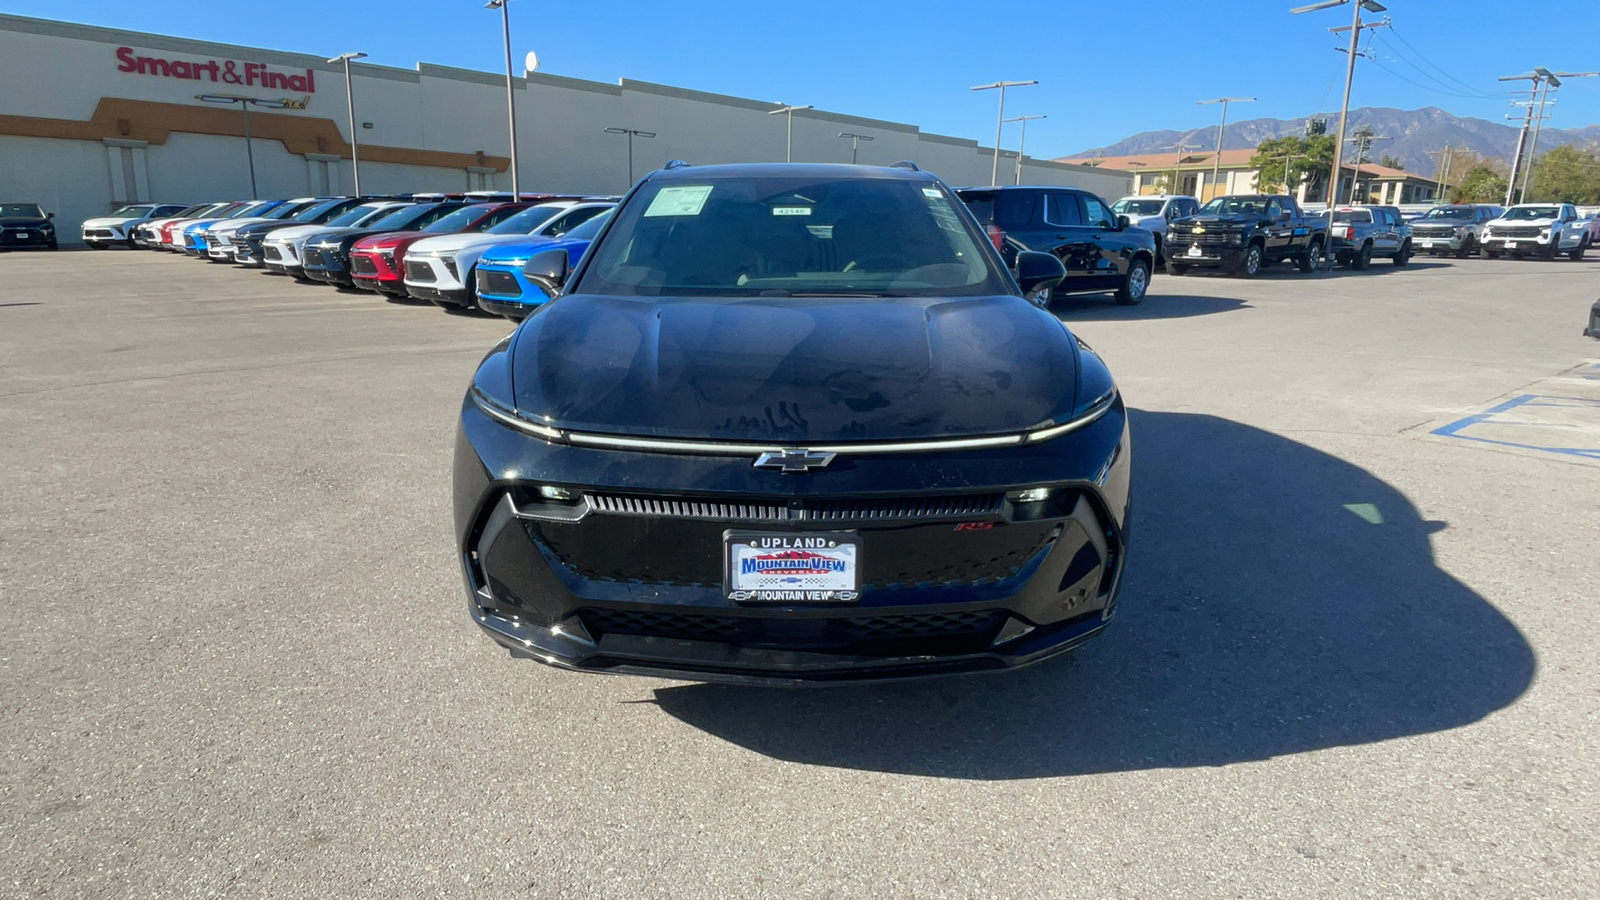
(1182, 147)
(1363, 139)
(1216, 161)
(1354, 50)
(1543, 80)
(1443, 169)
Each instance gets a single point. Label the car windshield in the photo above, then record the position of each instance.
(526, 221)
(1532, 212)
(1450, 212)
(286, 211)
(792, 235)
(410, 217)
(589, 229)
(21, 210)
(1138, 207)
(1236, 206)
(253, 209)
(463, 218)
(358, 216)
(1353, 215)
(320, 212)
(132, 212)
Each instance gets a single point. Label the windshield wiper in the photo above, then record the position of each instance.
(783, 293)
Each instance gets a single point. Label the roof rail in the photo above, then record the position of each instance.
(675, 164)
(905, 164)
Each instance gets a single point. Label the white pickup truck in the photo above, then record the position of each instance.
(1537, 229)
(1152, 213)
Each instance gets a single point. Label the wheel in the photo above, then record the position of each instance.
(1550, 251)
(54, 245)
(1135, 284)
(1249, 265)
(1492, 254)
(1176, 268)
(1363, 257)
(97, 245)
(1404, 256)
(1577, 253)
(1465, 250)
(1311, 260)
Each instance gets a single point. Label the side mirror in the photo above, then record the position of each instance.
(1285, 216)
(547, 269)
(1036, 272)
(49, 215)
(1123, 221)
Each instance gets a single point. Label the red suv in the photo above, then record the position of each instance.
(377, 263)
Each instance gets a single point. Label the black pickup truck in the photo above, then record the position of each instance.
(1242, 234)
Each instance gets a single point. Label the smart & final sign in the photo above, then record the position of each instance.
(220, 71)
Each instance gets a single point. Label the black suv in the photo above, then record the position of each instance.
(1099, 249)
(26, 225)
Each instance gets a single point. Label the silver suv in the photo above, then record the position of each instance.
(1456, 229)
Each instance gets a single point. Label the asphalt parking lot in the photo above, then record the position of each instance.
(1355, 654)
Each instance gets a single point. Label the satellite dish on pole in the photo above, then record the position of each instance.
(531, 62)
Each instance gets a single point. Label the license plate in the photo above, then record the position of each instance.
(1194, 250)
(1427, 245)
(1511, 245)
(23, 235)
(790, 567)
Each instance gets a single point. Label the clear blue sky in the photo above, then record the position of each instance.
(1106, 69)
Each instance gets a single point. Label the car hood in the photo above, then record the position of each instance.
(301, 232)
(222, 225)
(1209, 221)
(446, 244)
(1522, 223)
(111, 222)
(22, 222)
(793, 369)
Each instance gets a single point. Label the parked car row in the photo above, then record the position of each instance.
(422, 246)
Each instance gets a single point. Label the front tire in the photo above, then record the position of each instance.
(97, 245)
(1465, 250)
(1249, 265)
(1311, 260)
(1404, 256)
(1491, 254)
(1176, 268)
(1135, 284)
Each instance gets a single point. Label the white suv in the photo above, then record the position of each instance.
(1154, 212)
(117, 228)
(440, 269)
(1540, 229)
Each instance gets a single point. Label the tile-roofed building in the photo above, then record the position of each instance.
(1191, 174)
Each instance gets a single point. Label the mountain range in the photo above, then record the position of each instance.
(1413, 133)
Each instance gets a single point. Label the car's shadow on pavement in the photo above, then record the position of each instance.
(1092, 307)
(1277, 600)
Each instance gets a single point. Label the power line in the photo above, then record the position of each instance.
(1443, 88)
(1402, 39)
(1431, 88)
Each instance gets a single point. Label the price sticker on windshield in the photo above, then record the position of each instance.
(679, 200)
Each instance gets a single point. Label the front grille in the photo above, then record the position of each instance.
(966, 506)
(313, 258)
(362, 265)
(794, 632)
(271, 252)
(1442, 231)
(419, 271)
(1502, 231)
(499, 283)
(1204, 239)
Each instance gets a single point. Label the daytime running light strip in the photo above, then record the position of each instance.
(718, 448)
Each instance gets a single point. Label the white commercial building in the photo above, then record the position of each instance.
(91, 118)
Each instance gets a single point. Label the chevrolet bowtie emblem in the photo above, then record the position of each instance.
(793, 460)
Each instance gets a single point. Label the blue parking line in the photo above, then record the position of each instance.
(1455, 428)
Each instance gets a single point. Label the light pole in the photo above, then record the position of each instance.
(511, 102)
(788, 111)
(1286, 158)
(1023, 141)
(631, 133)
(999, 122)
(855, 141)
(244, 103)
(1349, 77)
(1216, 162)
(1543, 80)
(350, 103)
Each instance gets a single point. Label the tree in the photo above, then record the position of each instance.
(1288, 162)
(1566, 175)
(1391, 162)
(1480, 184)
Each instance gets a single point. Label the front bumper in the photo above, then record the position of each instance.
(30, 237)
(461, 297)
(102, 234)
(1516, 245)
(1438, 243)
(502, 289)
(633, 583)
(1211, 255)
